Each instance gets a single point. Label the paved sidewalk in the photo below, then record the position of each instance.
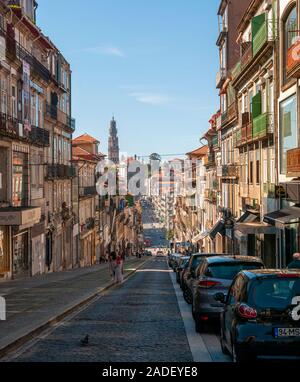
(33, 304)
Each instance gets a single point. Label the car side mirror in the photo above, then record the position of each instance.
(220, 297)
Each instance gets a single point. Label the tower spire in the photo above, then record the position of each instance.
(113, 142)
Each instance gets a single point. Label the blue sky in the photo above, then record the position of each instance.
(150, 62)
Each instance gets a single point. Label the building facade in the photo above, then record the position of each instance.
(35, 138)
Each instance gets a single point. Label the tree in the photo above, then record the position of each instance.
(155, 157)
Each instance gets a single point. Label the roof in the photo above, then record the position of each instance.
(79, 153)
(201, 151)
(269, 273)
(233, 259)
(85, 138)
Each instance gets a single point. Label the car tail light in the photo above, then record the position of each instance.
(208, 284)
(247, 312)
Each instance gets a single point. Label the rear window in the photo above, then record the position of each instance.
(274, 293)
(196, 262)
(228, 271)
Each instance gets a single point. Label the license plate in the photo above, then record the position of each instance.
(287, 332)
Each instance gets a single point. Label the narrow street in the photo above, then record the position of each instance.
(137, 322)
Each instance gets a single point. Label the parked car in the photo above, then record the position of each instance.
(216, 275)
(189, 276)
(257, 319)
(182, 265)
(174, 258)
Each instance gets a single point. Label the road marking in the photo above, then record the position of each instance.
(198, 348)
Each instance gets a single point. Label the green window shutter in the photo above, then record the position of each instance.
(257, 22)
(256, 105)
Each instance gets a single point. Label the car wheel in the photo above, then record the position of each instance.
(223, 346)
(188, 296)
(237, 355)
(193, 312)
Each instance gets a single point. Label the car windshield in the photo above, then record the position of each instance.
(228, 271)
(274, 293)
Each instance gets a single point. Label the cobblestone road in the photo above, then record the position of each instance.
(139, 321)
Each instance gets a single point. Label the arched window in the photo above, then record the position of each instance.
(290, 34)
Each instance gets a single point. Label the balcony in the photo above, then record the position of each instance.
(56, 114)
(221, 77)
(293, 163)
(211, 161)
(13, 128)
(60, 171)
(88, 191)
(232, 112)
(39, 137)
(293, 56)
(230, 171)
(16, 51)
(266, 33)
(215, 142)
(224, 118)
(245, 134)
(88, 226)
(263, 126)
(247, 54)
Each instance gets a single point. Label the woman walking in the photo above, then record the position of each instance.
(111, 264)
(118, 269)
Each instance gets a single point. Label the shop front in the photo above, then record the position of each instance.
(20, 248)
(4, 252)
(15, 245)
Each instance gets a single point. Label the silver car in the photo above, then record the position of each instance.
(215, 275)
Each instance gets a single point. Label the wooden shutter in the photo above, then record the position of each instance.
(256, 105)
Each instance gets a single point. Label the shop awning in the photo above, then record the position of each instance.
(286, 216)
(255, 228)
(249, 217)
(218, 228)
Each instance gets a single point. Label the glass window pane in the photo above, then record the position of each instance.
(288, 130)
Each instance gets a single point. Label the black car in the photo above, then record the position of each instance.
(190, 276)
(261, 317)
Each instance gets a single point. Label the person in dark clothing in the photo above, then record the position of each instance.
(295, 264)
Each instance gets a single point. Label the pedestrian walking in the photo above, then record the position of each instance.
(111, 264)
(118, 268)
(295, 264)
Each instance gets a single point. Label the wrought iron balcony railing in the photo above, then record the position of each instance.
(14, 51)
(13, 128)
(88, 191)
(60, 171)
(55, 113)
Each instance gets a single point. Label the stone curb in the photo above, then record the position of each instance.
(54, 320)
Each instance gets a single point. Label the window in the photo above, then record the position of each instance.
(251, 172)
(290, 33)
(257, 172)
(288, 130)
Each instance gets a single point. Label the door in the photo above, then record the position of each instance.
(20, 255)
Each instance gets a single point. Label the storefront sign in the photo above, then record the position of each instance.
(18, 217)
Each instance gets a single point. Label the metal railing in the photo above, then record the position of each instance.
(60, 171)
(13, 128)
